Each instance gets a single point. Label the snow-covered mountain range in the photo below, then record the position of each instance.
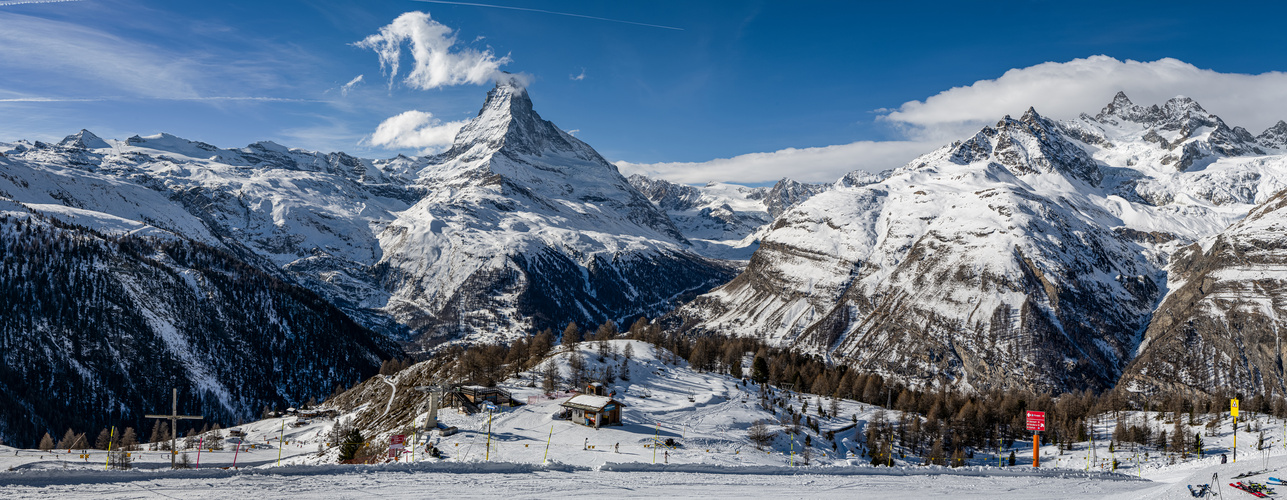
(1035, 253)
(1032, 254)
(518, 227)
(724, 220)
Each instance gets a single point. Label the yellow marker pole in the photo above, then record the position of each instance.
(1233, 412)
(546, 460)
(281, 439)
(107, 463)
(488, 456)
(655, 439)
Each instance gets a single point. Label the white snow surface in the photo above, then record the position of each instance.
(713, 457)
(973, 204)
(399, 237)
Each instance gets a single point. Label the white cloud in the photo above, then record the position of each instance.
(431, 43)
(415, 129)
(1057, 90)
(577, 78)
(29, 2)
(823, 164)
(1064, 90)
(344, 89)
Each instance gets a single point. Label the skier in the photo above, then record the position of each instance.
(586, 446)
(616, 448)
(1223, 458)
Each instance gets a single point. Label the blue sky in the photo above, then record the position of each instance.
(812, 89)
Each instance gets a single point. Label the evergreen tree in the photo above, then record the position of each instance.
(760, 370)
(352, 444)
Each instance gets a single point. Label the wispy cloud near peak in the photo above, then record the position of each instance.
(431, 44)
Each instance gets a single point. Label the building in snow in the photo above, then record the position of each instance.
(594, 411)
(478, 394)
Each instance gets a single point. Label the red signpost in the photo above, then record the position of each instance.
(397, 443)
(1036, 423)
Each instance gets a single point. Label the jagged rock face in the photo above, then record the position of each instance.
(1032, 254)
(1219, 327)
(1274, 137)
(1181, 127)
(302, 216)
(724, 220)
(525, 227)
(440, 248)
(786, 194)
(97, 331)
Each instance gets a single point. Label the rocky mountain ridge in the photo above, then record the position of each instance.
(1032, 254)
(517, 227)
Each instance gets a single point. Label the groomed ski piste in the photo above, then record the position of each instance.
(530, 453)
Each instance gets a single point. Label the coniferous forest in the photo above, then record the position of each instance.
(95, 330)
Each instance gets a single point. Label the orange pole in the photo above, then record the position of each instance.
(1036, 450)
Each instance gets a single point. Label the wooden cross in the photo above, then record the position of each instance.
(173, 416)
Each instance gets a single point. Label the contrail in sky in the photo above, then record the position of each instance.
(27, 2)
(532, 10)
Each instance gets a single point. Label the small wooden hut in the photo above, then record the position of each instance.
(594, 411)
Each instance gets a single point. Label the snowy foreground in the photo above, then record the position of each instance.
(531, 454)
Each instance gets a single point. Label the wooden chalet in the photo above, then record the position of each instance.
(594, 411)
(478, 394)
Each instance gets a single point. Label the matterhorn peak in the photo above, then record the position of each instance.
(508, 123)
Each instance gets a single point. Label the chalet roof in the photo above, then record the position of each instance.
(478, 389)
(589, 402)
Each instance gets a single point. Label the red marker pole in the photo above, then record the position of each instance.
(1036, 450)
(234, 454)
(199, 443)
(1036, 424)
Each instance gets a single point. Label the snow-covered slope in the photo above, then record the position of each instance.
(1220, 327)
(519, 226)
(524, 227)
(97, 329)
(1032, 254)
(724, 220)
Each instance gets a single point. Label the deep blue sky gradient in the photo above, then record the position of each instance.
(739, 77)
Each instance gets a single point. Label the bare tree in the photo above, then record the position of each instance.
(551, 376)
(760, 434)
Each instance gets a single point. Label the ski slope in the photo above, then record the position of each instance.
(531, 454)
